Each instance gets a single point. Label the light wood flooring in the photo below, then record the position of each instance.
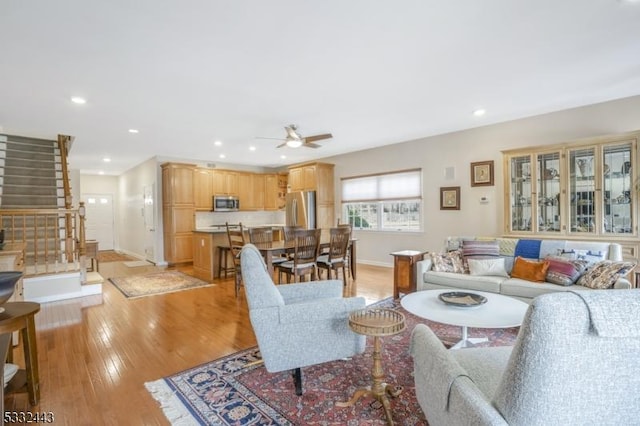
(95, 353)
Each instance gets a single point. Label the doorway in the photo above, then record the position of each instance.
(99, 224)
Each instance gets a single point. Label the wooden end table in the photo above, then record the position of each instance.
(376, 322)
(404, 271)
(21, 316)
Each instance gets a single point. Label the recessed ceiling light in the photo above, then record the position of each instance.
(479, 112)
(252, 148)
(223, 156)
(133, 131)
(100, 172)
(106, 159)
(217, 143)
(78, 100)
(283, 156)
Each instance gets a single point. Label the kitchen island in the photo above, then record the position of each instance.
(208, 248)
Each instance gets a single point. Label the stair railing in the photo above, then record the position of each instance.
(40, 231)
(64, 144)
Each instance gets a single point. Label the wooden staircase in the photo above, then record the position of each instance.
(35, 209)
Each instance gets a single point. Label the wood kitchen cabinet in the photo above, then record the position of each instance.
(251, 191)
(225, 182)
(203, 188)
(316, 177)
(203, 255)
(178, 211)
(275, 191)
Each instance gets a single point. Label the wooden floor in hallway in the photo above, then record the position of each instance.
(95, 353)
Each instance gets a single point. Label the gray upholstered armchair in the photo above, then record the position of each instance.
(575, 362)
(298, 325)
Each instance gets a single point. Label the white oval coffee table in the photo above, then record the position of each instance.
(498, 312)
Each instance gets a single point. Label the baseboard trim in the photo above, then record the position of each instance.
(375, 263)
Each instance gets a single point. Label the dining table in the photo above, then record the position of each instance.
(276, 248)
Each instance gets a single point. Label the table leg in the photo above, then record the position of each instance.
(379, 389)
(268, 259)
(31, 360)
(468, 342)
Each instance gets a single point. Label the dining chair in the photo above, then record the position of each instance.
(235, 234)
(337, 255)
(262, 237)
(306, 244)
(347, 257)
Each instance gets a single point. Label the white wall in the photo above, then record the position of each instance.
(458, 150)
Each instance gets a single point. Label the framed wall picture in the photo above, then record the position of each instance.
(450, 198)
(482, 173)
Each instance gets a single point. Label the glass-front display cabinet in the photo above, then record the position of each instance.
(585, 188)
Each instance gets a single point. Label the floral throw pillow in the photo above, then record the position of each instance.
(447, 262)
(605, 274)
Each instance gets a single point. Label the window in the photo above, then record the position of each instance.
(383, 202)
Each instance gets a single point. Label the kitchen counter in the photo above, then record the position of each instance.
(214, 229)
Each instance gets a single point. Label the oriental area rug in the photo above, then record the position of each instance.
(156, 283)
(235, 390)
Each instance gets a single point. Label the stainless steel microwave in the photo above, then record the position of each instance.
(226, 203)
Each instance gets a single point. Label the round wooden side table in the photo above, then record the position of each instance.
(376, 322)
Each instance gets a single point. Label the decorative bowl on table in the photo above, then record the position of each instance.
(462, 299)
(8, 280)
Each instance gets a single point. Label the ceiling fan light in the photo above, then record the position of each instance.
(294, 143)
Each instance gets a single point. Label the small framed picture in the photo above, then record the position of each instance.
(482, 173)
(450, 198)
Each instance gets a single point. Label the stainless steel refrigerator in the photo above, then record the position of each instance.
(300, 209)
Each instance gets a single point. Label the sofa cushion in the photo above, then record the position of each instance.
(516, 287)
(463, 281)
(604, 274)
(529, 270)
(484, 267)
(447, 262)
(564, 271)
(528, 249)
(479, 249)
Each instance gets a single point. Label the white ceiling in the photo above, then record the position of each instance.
(187, 73)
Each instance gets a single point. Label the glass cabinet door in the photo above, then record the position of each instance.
(618, 197)
(548, 192)
(582, 190)
(521, 193)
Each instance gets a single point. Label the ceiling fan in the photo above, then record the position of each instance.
(295, 140)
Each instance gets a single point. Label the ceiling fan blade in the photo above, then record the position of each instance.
(281, 145)
(274, 139)
(318, 137)
(311, 145)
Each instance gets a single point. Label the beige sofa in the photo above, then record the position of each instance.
(429, 279)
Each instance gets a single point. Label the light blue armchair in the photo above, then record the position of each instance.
(575, 362)
(298, 325)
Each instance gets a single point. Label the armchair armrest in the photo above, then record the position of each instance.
(444, 390)
(321, 310)
(300, 292)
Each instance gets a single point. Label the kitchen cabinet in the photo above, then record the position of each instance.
(251, 191)
(202, 255)
(316, 177)
(584, 188)
(202, 188)
(225, 182)
(275, 190)
(178, 211)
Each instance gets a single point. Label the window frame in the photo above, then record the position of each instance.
(382, 202)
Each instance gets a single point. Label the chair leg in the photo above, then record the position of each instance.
(297, 380)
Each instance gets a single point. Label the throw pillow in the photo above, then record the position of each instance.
(605, 274)
(490, 267)
(564, 271)
(529, 270)
(447, 262)
(479, 249)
